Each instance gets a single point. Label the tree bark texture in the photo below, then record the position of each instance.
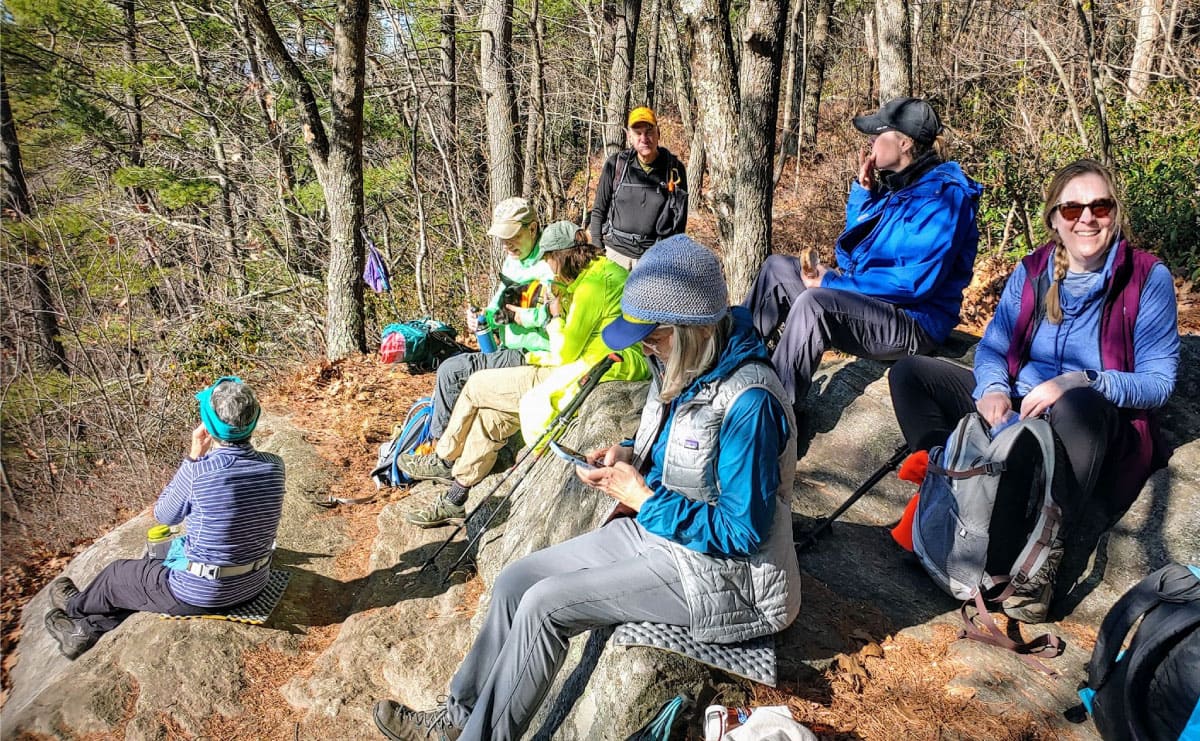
(18, 207)
(759, 80)
(714, 85)
(814, 80)
(496, 79)
(1148, 24)
(625, 26)
(652, 53)
(895, 49)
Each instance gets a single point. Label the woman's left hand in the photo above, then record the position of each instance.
(814, 281)
(1039, 400)
(620, 481)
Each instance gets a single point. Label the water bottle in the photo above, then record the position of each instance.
(483, 332)
(158, 540)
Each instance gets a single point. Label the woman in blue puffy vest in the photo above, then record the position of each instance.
(1085, 334)
(701, 535)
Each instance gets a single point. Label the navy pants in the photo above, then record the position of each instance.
(805, 322)
(124, 587)
(452, 375)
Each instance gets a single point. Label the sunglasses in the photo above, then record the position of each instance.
(1071, 211)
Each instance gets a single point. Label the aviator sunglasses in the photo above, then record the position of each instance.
(1100, 208)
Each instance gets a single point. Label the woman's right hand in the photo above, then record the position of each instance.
(610, 455)
(994, 407)
(866, 169)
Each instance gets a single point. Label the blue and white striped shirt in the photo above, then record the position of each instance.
(231, 499)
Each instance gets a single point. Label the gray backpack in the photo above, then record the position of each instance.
(969, 544)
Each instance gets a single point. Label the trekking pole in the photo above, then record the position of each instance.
(890, 465)
(558, 425)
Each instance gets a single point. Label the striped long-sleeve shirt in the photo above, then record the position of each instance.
(231, 500)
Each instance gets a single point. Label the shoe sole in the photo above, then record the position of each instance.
(426, 524)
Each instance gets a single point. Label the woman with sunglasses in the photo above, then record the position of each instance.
(1086, 335)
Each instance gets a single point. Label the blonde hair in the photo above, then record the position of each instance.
(939, 146)
(694, 350)
(1057, 185)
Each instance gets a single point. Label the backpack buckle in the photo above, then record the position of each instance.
(994, 468)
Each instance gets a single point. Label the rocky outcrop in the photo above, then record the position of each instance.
(340, 643)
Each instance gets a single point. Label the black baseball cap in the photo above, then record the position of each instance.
(911, 116)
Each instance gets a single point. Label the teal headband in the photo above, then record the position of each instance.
(217, 427)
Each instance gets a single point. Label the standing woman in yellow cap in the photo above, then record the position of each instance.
(642, 194)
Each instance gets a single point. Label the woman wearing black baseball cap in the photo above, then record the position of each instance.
(903, 260)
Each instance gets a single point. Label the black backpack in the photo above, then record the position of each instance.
(1151, 691)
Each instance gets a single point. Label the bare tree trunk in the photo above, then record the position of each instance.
(678, 53)
(652, 53)
(17, 207)
(871, 39)
(814, 80)
(495, 76)
(133, 102)
(1094, 84)
(449, 74)
(1065, 82)
(337, 160)
(1149, 12)
(795, 56)
(759, 78)
(620, 77)
(895, 49)
(714, 87)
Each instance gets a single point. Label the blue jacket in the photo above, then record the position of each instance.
(753, 432)
(914, 247)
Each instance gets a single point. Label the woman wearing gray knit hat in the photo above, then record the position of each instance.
(701, 532)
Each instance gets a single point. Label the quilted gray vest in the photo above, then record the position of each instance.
(730, 599)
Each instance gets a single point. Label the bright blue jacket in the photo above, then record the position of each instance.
(752, 437)
(914, 247)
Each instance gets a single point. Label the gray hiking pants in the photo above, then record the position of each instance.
(817, 319)
(452, 375)
(618, 574)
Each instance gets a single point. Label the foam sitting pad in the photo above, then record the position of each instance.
(753, 659)
(254, 612)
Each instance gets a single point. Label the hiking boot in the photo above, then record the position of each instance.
(62, 589)
(427, 467)
(72, 641)
(442, 512)
(1030, 602)
(402, 723)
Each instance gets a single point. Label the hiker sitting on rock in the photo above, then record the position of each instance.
(706, 484)
(515, 224)
(1086, 335)
(904, 258)
(642, 194)
(231, 498)
(587, 297)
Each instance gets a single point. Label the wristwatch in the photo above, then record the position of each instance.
(1091, 376)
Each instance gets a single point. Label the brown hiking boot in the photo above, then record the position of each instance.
(1030, 602)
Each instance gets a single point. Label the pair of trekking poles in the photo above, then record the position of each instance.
(557, 428)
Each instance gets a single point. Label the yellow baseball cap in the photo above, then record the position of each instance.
(641, 114)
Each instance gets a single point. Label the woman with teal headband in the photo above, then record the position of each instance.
(231, 498)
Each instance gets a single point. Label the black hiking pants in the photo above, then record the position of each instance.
(124, 587)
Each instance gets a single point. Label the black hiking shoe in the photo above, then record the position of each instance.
(72, 641)
(62, 589)
(1030, 602)
(402, 723)
(441, 512)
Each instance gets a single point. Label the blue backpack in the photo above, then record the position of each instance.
(406, 438)
(1151, 691)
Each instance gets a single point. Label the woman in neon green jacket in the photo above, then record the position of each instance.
(495, 403)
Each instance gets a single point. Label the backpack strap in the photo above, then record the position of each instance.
(1171, 583)
(1045, 530)
(619, 168)
(981, 627)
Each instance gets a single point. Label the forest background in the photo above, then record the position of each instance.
(188, 183)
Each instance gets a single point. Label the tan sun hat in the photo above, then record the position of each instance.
(510, 215)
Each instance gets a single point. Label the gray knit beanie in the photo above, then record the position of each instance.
(679, 281)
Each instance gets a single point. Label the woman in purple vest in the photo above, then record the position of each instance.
(1086, 335)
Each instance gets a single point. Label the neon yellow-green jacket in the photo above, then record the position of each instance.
(591, 301)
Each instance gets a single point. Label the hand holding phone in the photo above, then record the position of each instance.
(570, 455)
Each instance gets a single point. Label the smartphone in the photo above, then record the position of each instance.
(573, 456)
